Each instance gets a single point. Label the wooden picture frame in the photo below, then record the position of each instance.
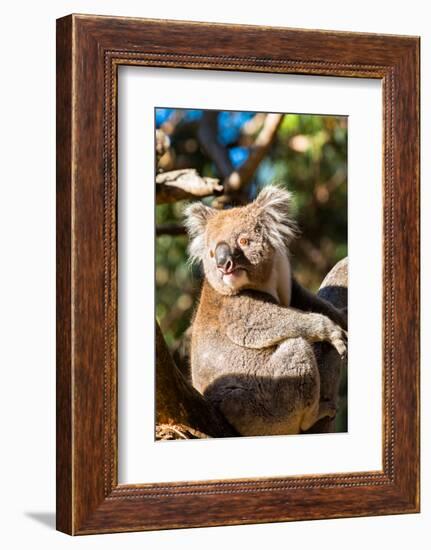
(89, 51)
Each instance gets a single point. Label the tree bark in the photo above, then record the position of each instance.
(183, 184)
(181, 411)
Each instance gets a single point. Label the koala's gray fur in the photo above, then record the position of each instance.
(251, 352)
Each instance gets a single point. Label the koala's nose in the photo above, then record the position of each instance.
(223, 257)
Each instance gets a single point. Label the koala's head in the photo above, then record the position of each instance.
(238, 246)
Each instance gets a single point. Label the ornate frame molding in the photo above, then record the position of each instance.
(90, 49)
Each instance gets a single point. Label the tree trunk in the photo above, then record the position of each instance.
(331, 366)
(181, 411)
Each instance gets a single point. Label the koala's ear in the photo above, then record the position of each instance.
(196, 218)
(276, 198)
(274, 205)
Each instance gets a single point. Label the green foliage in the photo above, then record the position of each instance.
(176, 284)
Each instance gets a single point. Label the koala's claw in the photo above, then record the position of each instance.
(339, 340)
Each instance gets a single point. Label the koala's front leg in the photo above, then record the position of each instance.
(252, 322)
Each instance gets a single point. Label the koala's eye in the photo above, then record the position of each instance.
(212, 253)
(243, 241)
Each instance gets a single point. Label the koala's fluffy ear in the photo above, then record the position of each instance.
(196, 218)
(274, 204)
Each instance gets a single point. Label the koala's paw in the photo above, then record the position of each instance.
(334, 334)
(338, 338)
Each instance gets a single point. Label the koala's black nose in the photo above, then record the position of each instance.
(223, 257)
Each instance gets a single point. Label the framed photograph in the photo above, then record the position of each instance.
(237, 274)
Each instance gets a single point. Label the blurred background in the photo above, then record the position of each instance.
(305, 153)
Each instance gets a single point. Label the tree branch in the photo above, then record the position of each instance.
(263, 142)
(207, 135)
(237, 180)
(180, 408)
(184, 184)
(187, 184)
(170, 229)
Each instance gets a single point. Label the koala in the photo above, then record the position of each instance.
(253, 330)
